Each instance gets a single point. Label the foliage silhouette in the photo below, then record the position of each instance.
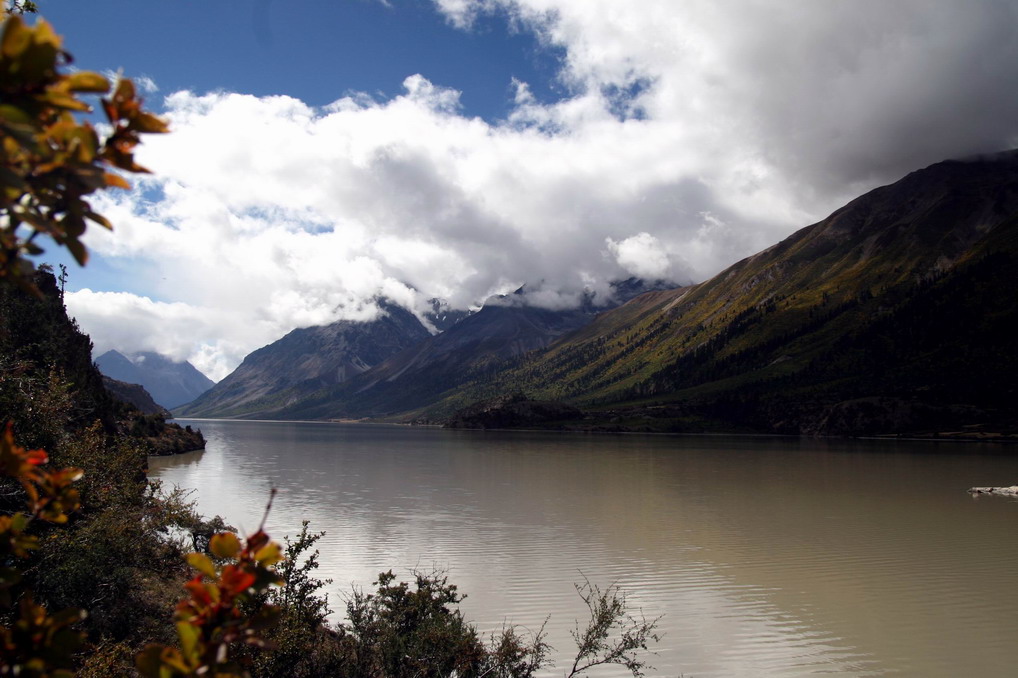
(50, 162)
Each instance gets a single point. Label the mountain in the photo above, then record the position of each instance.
(305, 361)
(504, 328)
(895, 314)
(171, 383)
(308, 374)
(442, 316)
(135, 395)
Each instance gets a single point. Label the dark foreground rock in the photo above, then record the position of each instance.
(175, 439)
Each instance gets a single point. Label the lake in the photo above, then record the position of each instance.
(765, 556)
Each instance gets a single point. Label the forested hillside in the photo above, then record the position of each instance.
(49, 386)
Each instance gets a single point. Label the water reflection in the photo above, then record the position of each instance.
(768, 557)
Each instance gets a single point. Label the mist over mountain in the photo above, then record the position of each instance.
(169, 382)
(475, 346)
(302, 374)
(306, 360)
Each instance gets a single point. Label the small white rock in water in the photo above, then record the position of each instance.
(1006, 491)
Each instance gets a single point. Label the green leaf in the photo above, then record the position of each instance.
(68, 616)
(10, 178)
(149, 661)
(188, 635)
(15, 114)
(19, 522)
(73, 223)
(9, 577)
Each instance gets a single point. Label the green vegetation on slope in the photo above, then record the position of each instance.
(904, 301)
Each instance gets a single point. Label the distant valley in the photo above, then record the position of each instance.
(895, 315)
(169, 383)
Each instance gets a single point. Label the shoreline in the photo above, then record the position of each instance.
(945, 437)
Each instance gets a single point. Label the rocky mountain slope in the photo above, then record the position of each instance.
(358, 370)
(473, 347)
(305, 361)
(134, 395)
(169, 382)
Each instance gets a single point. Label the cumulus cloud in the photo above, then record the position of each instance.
(125, 321)
(642, 255)
(693, 134)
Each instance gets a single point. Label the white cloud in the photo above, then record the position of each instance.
(641, 255)
(124, 321)
(696, 133)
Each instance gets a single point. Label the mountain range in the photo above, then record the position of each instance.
(169, 382)
(306, 361)
(896, 314)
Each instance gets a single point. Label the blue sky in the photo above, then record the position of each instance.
(314, 51)
(325, 154)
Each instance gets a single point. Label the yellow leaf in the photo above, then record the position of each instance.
(125, 90)
(188, 635)
(146, 122)
(225, 545)
(60, 100)
(202, 563)
(44, 35)
(87, 81)
(270, 554)
(16, 37)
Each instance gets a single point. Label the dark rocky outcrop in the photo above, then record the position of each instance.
(513, 411)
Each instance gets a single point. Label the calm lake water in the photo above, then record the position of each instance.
(766, 556)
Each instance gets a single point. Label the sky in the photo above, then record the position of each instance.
(328, 153)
